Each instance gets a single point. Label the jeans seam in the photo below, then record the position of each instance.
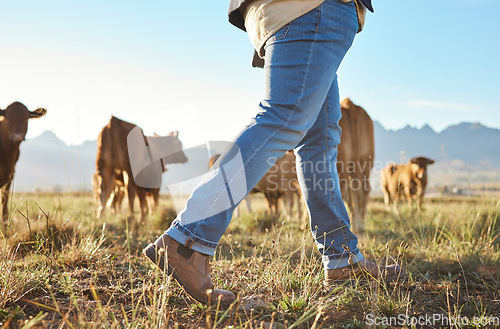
(282, 36)
(332, 194)
(318, 17)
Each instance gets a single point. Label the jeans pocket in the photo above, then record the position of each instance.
(280, 34)
(348, 2)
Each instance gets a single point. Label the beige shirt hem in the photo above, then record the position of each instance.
(260, 28)
(263, 18)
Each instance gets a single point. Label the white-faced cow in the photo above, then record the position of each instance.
(114, 161)
(409, 179)
(13, 129)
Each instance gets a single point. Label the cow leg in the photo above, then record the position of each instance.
(156, 199)
(106, 186)
(355, 208)
(96, 188)
(409, 198)
(269, 203)
(248, 200)
(120, 199)
(154, 196)
(116, 202)
(272, 202)
(131, 193)
(275, 202)
(143, 204)
(365, 191)
(361, 195)
(395, 201)
(299, 205)
(387, 198)
(303, 217)
(420, 202)
(5, 201)
(365, 195)
(114, 199)
(288, 202)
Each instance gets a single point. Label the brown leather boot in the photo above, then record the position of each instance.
(364, 270)
(190, 269)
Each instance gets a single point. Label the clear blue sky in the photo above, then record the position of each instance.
(169, 65)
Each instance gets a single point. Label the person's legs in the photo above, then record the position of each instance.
(302, 60)
(301, 64)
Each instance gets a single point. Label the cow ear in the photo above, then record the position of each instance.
(175, 133)
(430, 161)
(37, 113)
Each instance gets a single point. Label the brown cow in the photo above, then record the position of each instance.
(409, 179)
(280, 182)
(13, 129)
(356, 153)
(113, 160)
(248, 200)
(120, 191)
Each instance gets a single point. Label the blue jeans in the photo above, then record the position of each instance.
(301, 111)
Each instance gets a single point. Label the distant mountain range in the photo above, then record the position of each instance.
(472, 144)
(47, 163)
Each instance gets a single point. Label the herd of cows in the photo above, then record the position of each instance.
(114, 179)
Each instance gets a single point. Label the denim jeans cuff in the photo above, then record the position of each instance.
(176, 234)
(330, 264)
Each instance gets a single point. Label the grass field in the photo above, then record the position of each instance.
(60, 267)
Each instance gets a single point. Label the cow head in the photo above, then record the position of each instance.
(178, 156)
(419, 166)
(149, 156)
(170, 146)
(15, 120)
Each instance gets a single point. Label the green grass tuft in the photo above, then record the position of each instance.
(62, 267)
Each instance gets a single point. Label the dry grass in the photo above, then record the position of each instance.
(60, 267)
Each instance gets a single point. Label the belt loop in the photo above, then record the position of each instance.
(189, 244)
